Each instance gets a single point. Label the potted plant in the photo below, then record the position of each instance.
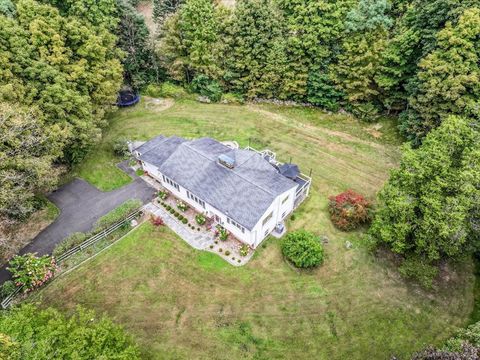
(182, 206)
(201, 219)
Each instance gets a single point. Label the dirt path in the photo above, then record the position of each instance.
(298, 124)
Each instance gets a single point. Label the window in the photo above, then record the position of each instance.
(171, 182)
(285, 200)
(164, 178)
(284, 214)
(267, 219)
(266, 232)
(196, 199)
(240, 227)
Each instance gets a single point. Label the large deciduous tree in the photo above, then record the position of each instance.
(65, 64)
(427, 207)
(30, 333)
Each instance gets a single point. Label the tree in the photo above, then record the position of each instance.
(65, 65)
(367, 29)
(256, 57)
(47, 334)
(414, 37)
(188, 40)
(139, 64)
(425, 207)
(164, 8)
(303, 249)
(27, 150)
(448, 80)
(314, 32)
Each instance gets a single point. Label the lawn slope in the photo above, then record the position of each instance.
(181, 303)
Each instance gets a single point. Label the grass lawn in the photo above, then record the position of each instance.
(181, 303)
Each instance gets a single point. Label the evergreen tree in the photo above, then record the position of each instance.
(164, 8)
(425, 209)
(188, 40)
(355, 73)
(314, 33)
(414, 37)
(139, 63)
(448, 80)
(256, 55)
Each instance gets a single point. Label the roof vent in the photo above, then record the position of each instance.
(226, 161)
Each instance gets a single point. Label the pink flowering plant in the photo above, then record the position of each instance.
(31, 271)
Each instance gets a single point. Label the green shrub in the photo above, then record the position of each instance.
(120, 148)
(182, 205)
(244, 250)
(420, 270)
(227, 252)
(184, 220)
(211, 246)
(139, 172)
(69, 242)
(220, 250)
(163, 194)
(200, 219)
(172, 210)
(6, 289)
(205, 86)
(232, 98)
(31, 271)
(303, 249)
(117, 214)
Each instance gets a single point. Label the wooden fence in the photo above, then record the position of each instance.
(75, 250)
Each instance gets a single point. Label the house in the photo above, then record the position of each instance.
(246, 191)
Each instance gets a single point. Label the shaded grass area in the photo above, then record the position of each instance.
(181, 303)
(23, 233)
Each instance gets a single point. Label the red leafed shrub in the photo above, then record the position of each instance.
(349, 210)
(157, 221)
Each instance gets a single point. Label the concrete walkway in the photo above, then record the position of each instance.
(199, 240)
(81, 205)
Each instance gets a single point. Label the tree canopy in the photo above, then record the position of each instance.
(427, 207)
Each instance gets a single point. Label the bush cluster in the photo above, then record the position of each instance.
(349, 210)
(31, 271)
(117, 214)
(303, 249)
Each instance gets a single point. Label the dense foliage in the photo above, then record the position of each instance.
(427, 208)
(61, 68)
(413, 57)
(27, 332)
(349, 210)
(303, 249)
(30, 272)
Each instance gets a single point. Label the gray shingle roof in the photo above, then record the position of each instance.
(243, 193)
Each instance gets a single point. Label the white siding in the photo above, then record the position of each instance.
(258, 233)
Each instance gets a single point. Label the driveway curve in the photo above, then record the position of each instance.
(81, 205)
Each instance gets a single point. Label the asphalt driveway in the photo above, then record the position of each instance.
(81, 205)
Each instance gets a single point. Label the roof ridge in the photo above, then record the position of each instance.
(236, 173)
